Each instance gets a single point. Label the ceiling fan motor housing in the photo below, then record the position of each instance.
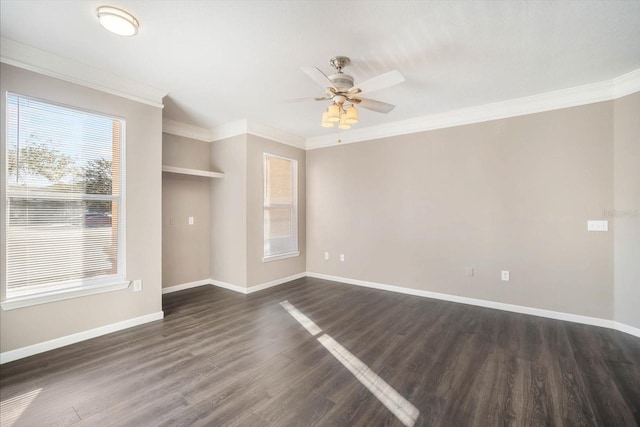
(342, 82)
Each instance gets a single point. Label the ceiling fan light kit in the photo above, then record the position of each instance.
(344, 96)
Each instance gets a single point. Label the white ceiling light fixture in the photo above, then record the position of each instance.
(118, 21)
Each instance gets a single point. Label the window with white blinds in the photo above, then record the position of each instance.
(63, 198)
(280, 207)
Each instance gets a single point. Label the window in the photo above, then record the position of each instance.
(280, 207)
(63, 226)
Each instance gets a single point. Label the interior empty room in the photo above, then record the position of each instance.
(332, 213)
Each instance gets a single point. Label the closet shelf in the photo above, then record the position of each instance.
(195, 172)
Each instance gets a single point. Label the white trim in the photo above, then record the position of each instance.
(570, 317)
(11, 355)
(276, 282)
(62, 294)
(281, 256)
(229, 286)
(622, 327)
(177, 128)
(626, 84)
(229, 130)
(183, 286)
(48, 64)
(572, 97)
(255, 288)
(587, 94)
(277, 135)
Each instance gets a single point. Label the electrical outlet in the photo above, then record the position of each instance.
(326, 255)
(341, 257)
(469, 271)
(191, 222)
(505, 275)
(137, 285)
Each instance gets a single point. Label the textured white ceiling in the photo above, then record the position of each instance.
(222, 61)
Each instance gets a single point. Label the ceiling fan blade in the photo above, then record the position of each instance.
(291, 101)
(318, 76)
(377, 106)
(382, 81)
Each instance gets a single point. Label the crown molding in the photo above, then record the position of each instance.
(626, 84)
(268, 132)
(177, 128)
(48, 64)
(572, 97)
(581, 95)
(228, 130)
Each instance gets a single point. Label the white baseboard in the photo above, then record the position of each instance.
(569, 317)
(623, 327)
(184, 286)
(31, 350)
(228, 286)
(256, 288)
(20, 353)
(276, 282)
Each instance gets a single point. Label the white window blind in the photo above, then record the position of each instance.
(280, 207)
(63, 224)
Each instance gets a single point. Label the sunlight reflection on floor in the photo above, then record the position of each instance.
(11, 409)
(398, 405)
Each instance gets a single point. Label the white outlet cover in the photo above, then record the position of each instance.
(191, 220)
(505, 275)
(326, 255)
(598, 225)
(341, 257)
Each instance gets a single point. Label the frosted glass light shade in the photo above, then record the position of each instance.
(333, 113)
(343, 122)
(118, 21)
(326, 123)
(352, 115)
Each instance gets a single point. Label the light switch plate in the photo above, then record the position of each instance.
(598, 225)
(191, 220)
(137, 285)
(505, 275)
(326, 255)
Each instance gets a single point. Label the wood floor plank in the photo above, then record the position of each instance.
(227, 359)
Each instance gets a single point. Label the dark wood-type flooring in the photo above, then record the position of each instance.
(220, 358)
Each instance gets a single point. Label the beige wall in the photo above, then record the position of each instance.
(229, 211)
(186, 249)
(259, 272)
(26, 326)
(627, 210)
(512, 194)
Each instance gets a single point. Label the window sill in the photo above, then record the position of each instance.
(282, 256)
(62, 294)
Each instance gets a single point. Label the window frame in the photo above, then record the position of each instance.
(47, 293)
(294, 207)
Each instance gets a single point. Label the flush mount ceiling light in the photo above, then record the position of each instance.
(118, 21)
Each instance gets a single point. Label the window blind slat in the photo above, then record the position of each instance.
(62, 196)
(280, 206)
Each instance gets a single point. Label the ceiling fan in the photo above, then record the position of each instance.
(345, 95)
